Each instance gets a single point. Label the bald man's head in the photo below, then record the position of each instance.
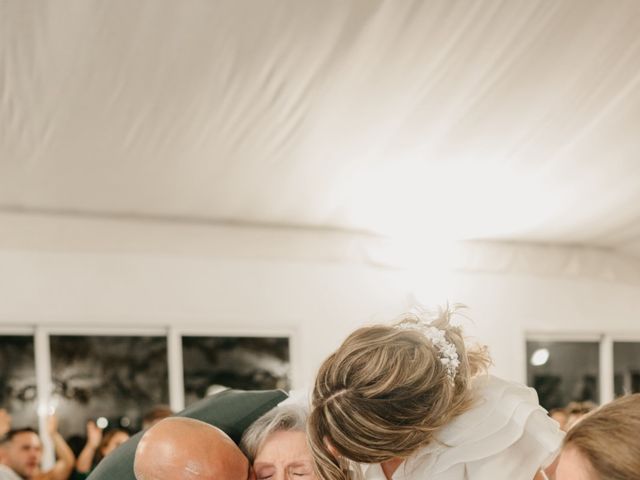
(185, 449)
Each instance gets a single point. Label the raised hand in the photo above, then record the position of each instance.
(94, 434)
(5, 421)
(52, 425)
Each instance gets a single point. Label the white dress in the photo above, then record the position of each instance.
(506, 435)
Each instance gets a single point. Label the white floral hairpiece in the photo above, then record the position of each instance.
(448, 354)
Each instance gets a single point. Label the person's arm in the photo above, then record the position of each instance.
(5, 422)
(94, 437)
(64, 455)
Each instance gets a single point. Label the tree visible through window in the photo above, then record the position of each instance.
(249, 363)
(115, 377)
(18, 392)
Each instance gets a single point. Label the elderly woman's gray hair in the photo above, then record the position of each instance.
(290, 417)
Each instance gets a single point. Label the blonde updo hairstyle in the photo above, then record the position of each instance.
(385, 393)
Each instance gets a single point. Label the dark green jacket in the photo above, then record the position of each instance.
(231, 411)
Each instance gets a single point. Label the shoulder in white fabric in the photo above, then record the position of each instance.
(506, 434)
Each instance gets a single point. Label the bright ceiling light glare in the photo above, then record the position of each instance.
(539, 357)
(102, 422)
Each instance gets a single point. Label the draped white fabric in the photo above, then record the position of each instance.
(514, 120)
(506, 434)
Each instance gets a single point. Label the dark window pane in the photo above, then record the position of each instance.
(118, 378)
(562, 372)
(626, 367)
(18, 392)
(249, 363)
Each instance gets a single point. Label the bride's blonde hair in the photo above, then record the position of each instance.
(386, 391)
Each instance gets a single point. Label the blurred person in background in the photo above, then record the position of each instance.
(5, 426)
(576, 410)
(99, 445)
(560, 416)
(153, 416)
(5, 422)
(22, 454)
(604, 444)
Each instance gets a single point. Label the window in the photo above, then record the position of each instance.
(249, 363)
(626, 366)
(116, 377)
(120, 377)
(564, 371)
(18, 391)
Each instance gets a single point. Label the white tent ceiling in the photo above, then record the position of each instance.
(513, 120)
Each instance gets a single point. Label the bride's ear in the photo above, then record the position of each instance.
(332, 449)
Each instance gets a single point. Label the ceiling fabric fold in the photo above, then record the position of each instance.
(515, 121)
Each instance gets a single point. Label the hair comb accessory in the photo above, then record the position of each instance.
(448, 354)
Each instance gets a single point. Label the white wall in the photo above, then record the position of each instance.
(317, 285)
(318, 303)
(505, 307)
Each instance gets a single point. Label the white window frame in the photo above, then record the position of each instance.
(289, 333)
(41, 345)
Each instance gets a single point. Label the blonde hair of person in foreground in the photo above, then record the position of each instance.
(406, 397)
(605, 444)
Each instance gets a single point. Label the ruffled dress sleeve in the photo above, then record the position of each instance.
(506, 435)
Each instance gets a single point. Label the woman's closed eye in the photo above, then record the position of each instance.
(265, 473)
(300, 471)
(284, 455)
(296, 473)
